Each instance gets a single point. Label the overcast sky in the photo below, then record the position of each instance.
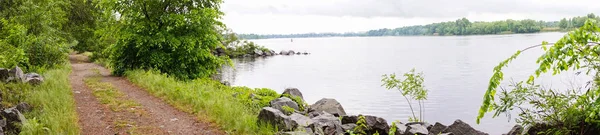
(304, 16)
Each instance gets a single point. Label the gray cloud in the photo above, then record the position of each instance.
(412, 8)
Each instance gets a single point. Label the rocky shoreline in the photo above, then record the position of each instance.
(256, 53)
(327, 117)
(12, 117)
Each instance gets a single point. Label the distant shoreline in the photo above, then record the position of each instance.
(558, 31)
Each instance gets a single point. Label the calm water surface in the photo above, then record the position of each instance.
(456, 69)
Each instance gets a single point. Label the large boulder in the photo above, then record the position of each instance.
(329, 105)
(13, 118)
(417, 129)
(346, 119)
(284, 101)
(33, 78)
(303, 121)
(437, 128)
(15, 74)
(3, 75)
(377, 124)
(291, 52)
(516, 130)
(283, 52)
(294, 133)
(23, 107)
(276, 118)
(401, 129)
(461, 128)
(258, 52)
(293, 92)
(349, 126)
(326, 124)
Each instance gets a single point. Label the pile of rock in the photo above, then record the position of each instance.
(327, 117)
(16, 75)
(12, 118)
(292, 52)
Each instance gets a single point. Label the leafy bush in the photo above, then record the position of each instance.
(177, 40)
(361, 126)
(34, 30)
(288, 110)
(411, 87)
(553, 111)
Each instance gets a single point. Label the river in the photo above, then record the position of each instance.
(456, 70)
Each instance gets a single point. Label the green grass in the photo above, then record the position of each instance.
(210, 99)
(108, 95)
(53, 104)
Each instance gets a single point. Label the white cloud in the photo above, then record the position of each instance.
(301, 16)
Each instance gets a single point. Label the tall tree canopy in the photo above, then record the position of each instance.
(172, 36)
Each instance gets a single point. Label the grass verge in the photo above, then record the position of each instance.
(53, 104)
(210, 99)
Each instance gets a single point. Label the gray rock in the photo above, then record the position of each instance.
(294, 133)
(347, 119)
(349, 126)
(284, 101)
(15, 74)
(33, 78)
(417, 129)
(437, 128)
(293, 92)
(298, 53)
(315, 114)
(291, 52)
(4, 75)
(427, 125)
(283, 52)
(14, 119)
(23, 107)
(305, 53)
(377, 124)
(276, 118)
(461, 128)
(401, 129)
(329, 105)
(326, 125)
(516, 130)
(258, 52)
(303, 121)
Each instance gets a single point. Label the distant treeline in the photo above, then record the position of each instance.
(458, 27)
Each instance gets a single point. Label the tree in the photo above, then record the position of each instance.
(174, 37)
(412, 86)
(35, 28)
(563, 24)
(553, 111)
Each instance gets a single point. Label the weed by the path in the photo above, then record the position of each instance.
(53, 104)
(206, 97)
(111, 97)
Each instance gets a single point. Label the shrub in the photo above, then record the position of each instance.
(177, 40)
(553, 111)
(412, 87)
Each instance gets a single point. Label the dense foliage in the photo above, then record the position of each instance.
(411, 87)
(174, 37)
(553, 111)
(576, 22)
(32, 33)
(458, 27)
